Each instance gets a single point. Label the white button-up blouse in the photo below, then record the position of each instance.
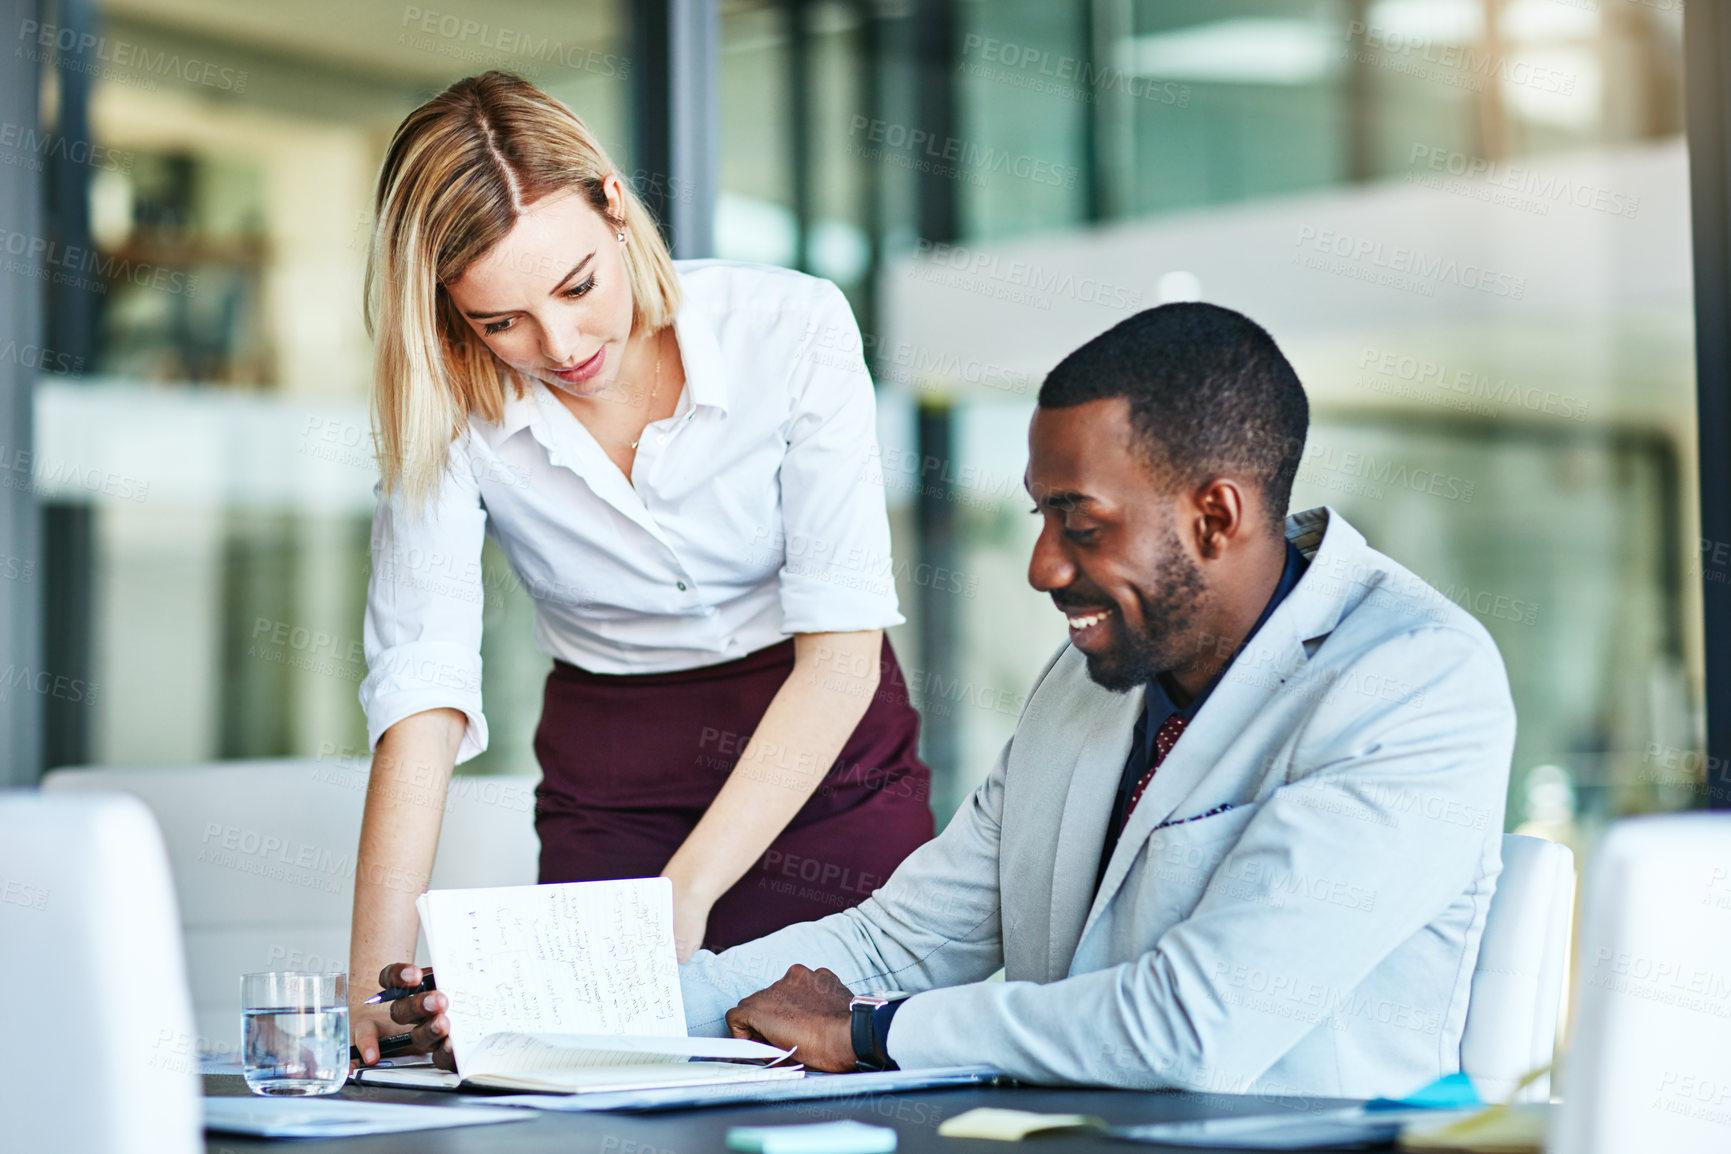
(754, 512)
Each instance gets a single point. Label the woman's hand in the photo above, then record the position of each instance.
(808, 722)
(424, 1014)
(690, 921)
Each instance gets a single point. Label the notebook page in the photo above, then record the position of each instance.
(573, 958)
(527, 1053)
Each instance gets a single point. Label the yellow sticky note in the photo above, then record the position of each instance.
(1497, 1130)
(1013, 1125)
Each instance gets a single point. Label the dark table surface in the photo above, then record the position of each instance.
(915, 1117)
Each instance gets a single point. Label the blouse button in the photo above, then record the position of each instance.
(682, 586)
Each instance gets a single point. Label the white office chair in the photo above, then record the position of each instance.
(98, 1053)
(263, 855)
(1520, 981)
(1648, 1065)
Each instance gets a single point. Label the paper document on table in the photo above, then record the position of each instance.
(574, 958)
(533, 1053)
(266, 1117)
(573, 1063)
(759, 1090)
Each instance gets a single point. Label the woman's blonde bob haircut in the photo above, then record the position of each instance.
(460, 170)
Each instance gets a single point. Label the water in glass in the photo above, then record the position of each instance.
(294, 1051)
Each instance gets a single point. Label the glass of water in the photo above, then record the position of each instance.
(294, 1032)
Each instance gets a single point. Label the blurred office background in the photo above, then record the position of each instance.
(1466, 221)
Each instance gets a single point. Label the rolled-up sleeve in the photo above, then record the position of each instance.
(838, 575)
(423, 623)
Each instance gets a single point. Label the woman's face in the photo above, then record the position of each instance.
(551, 299)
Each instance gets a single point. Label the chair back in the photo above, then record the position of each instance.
(263, 854)
(1649, 1059)
(1520, 981)
(99, 1050)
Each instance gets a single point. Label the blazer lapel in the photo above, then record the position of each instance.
(1277, 654)
(1236, 700)
(1082, 829)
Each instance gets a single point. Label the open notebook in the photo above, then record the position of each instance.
(570, 988)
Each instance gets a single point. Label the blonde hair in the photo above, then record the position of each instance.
(460, 170)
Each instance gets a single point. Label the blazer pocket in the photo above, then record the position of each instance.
(1190, 851)
(1205, 826)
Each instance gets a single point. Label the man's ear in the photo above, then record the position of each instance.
(1220, 511)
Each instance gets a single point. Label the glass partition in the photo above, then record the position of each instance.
(1466, 221)
(218, 574)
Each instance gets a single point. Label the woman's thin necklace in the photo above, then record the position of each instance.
(654, 392)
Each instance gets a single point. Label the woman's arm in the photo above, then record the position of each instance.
(399, 836)
(802, 732)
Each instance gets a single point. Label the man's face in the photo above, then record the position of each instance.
(1110, 552)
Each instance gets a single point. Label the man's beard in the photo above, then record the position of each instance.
(1134, 658)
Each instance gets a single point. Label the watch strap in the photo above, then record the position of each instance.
(864, 1041)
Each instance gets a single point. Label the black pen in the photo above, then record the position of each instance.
(395, 1044)
(395, 993)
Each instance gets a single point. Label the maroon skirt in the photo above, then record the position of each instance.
(631, 762)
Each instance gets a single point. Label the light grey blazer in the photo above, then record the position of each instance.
(1318, 937)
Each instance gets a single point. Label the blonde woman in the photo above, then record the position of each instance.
(675, 458)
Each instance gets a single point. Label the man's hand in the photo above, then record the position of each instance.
(806, 1011)
(424, 1014)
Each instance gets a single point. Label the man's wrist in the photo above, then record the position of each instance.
(870, 1017)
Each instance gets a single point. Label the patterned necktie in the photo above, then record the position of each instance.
(1164, 739)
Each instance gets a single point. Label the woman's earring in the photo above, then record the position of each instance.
(621, 238)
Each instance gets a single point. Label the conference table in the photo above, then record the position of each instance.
(914, 1116)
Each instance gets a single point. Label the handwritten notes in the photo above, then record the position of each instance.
(573, 958)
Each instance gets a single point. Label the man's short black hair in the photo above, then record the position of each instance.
(1210, 395)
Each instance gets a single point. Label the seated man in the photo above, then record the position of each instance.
(1247, 830)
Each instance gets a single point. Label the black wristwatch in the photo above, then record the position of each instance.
(867, 1053)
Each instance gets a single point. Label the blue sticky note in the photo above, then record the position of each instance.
(846, 1137)
(1449, 1092)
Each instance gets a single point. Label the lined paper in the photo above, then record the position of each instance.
(571, 958)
